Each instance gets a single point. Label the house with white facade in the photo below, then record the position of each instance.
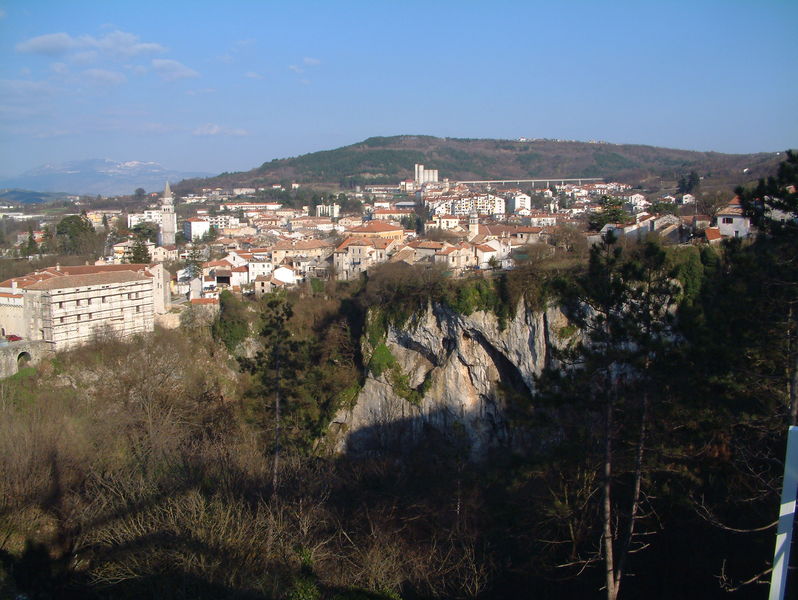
(732, 222)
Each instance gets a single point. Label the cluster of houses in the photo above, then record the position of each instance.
(259, 246)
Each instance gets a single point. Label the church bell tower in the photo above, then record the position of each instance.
(166, 236)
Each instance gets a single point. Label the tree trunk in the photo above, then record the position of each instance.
(638, 479)
(609, 563)
(276, 458)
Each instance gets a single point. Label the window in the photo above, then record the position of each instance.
(105, 299)
(77, 302)
(61, 320)
(728, 220)
(60, 305)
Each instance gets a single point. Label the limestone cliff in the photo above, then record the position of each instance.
(449, 373)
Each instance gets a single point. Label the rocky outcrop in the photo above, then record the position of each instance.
(452, 374)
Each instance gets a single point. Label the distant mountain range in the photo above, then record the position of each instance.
(97, 176)
(391, 159)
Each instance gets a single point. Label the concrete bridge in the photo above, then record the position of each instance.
(16, 355)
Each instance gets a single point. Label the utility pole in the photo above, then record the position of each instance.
(781, 555)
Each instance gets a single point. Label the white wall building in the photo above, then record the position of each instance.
(195, 228)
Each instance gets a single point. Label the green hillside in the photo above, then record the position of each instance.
(391, 159)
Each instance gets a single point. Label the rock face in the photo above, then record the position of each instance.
(463, 372)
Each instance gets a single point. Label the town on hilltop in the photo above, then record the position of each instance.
(163, 255)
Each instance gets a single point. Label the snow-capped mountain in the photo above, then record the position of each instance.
(98, 176)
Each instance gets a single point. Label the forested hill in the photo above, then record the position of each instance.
(391, 159)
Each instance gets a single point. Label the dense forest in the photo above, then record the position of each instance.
(197, 462)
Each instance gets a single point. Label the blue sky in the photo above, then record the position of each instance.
(215, 87)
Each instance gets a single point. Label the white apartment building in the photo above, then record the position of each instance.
(195, 228)
(151, 215)
(68, 306)
(518, 202)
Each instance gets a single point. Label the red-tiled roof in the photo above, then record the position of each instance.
(376, 227)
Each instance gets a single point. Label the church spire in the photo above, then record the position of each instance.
(167, 191)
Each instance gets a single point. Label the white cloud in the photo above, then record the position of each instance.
(253, 75)
(213, 129)
(104, 77)
(117, 44)
(60, 68)
(51, 44)
(25, 71)
(296, 69)
(311, 62)
(122, 43)
(172, 70)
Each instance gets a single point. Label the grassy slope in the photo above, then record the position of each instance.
(384, 159)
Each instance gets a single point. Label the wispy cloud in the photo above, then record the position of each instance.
(311, 62)
(200, 92)
(122, 43)
(253, 75)
(172, 70)
(157, 128)
(213, 129)
(24, 88)
(118, 44)
(2, 14)
(104, 77)
(85, 57)
(296, 69)
(51, 133)
(50, 44)
(59, 68)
